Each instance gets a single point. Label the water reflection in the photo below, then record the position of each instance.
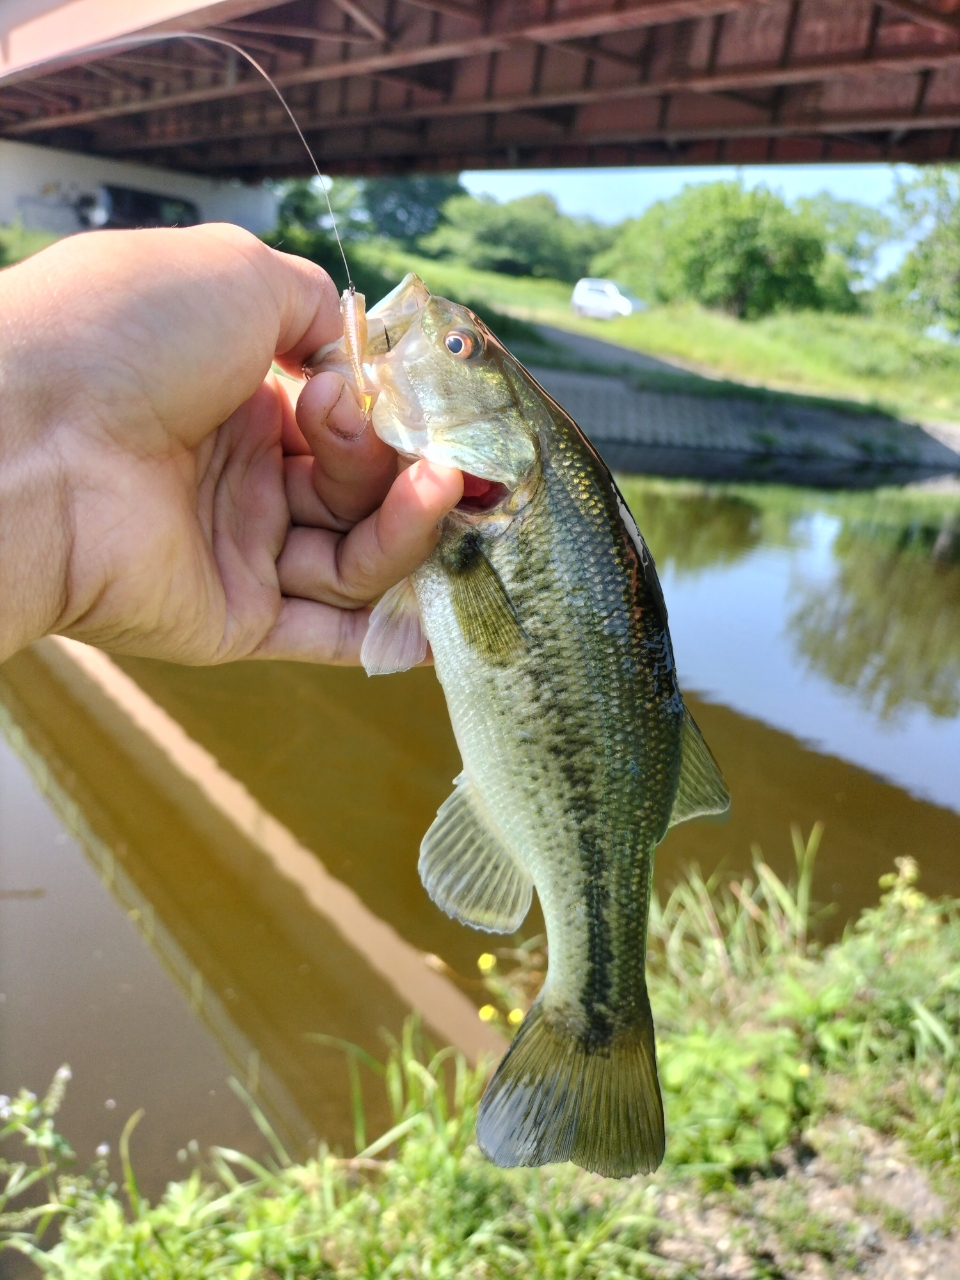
(833, 616)
(888, 625)
(694, 528)
(257, 967)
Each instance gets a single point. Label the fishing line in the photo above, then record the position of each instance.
(133, 42)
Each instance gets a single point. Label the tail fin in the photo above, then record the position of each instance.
(555, 1098)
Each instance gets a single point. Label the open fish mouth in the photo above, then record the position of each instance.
(480, 494)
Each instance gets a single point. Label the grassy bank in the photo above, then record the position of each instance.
(859, 359)
(807, 1091)
(873, 361)
(16, 243)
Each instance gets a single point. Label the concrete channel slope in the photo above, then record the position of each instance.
(707, 434)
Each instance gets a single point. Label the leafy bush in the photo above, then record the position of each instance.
(403, 209)
(732, 1098)
(853, 233)
(398, 208)
(435, 1208)
(373, 279)
(320, 247)
(898, 970)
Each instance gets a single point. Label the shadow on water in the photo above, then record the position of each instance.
(772, 467)
(356, 769)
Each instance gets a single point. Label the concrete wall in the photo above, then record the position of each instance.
(34, 31)
(39, 186)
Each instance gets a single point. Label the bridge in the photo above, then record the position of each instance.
(394, 86)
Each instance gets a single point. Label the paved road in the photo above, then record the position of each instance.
(600, 352)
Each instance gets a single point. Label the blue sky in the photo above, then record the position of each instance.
(612, 194)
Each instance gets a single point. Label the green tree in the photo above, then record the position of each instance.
(17, 243)
(726, 246)
(524, 237)
(927, 285)
(406, 208)
(305, 227)
(851, 231)
(303, 204)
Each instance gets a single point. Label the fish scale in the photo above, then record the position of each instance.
(550, 639)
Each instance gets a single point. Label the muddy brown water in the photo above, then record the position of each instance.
(146, 943)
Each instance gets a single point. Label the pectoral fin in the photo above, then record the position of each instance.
(395, 639)
(484, 610)
(467, 869)
(701, 788)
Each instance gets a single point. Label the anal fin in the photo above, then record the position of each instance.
(467, 869)
(701, 789)
(395, 639)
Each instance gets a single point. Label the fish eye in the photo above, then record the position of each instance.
(461, 344)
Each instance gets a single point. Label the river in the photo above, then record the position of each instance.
(817, 637)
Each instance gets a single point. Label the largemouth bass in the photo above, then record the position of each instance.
(548, 628)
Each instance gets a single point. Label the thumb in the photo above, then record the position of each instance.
(308, 305)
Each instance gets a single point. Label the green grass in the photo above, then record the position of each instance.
(17, 243)
(879, 363)
(764, 1037)
(848, 362)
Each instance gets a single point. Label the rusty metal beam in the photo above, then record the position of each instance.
(452, 8)
(572, 26)
(254, 42)
(295, 33)
(60, 33)
(865, 124)
(154, 64)
(547, 104)
(948, 22)
(904, 146)
(583, 49)
(873, 131)
(725, 81)
(363, 19)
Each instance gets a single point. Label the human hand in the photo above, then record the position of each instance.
(157, 494)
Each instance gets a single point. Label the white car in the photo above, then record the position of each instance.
(602, 299)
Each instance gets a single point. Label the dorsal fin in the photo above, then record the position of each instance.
(467, 869)
(701, 788)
